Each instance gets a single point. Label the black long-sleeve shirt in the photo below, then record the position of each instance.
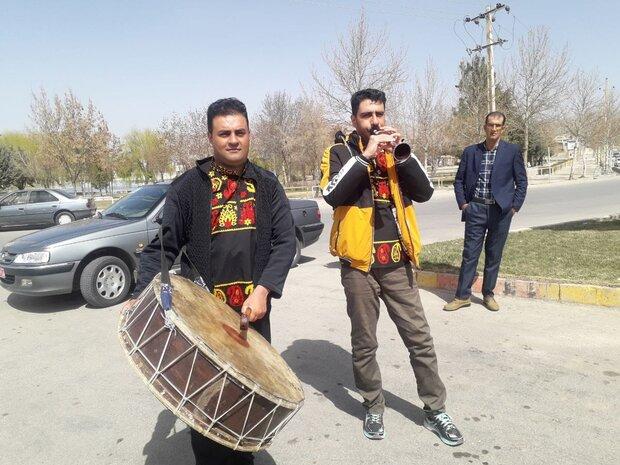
(186, 223)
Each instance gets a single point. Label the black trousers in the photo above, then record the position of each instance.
(208, 452)
(488, 225)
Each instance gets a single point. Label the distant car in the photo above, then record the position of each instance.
(99, 256)
(39, 207)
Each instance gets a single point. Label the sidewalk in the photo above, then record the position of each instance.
(535, 383)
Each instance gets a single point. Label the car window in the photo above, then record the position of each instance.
(9, 199)
(69, 195)
(41, 196)
(139, 203)
(18, 198)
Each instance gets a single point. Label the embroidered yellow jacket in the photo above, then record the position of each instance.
(345, 185)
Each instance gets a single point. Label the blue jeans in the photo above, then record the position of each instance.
(480, 221)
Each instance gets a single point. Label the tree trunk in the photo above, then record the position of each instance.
(526, 143)
(572, 166)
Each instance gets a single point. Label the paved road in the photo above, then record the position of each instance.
(440, 219)
(534, 383)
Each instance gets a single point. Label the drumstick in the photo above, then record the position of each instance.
(244, 324)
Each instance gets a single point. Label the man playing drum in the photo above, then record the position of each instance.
(234, 220)
(371, 180)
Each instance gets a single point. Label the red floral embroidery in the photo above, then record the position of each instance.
(231, 186)
(243, 194)
(215, 216)
(381, 163)
(383, 189)
(235, 296)
(246, 217)
(383, 254)
(214, 201)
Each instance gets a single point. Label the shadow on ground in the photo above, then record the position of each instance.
(304, 259)
(48, 304)
(327, 368)
(335, 265)
(171, 446)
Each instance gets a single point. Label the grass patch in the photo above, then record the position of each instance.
(586, 252)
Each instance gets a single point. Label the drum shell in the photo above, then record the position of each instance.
(199, 389)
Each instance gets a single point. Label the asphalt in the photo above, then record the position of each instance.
(536, 382)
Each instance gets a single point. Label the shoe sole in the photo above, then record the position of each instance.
(455, 309)
(374, 437)
(442, 439)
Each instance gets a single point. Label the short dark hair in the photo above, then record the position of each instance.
(225, 107)
(373, 95)
(495, 113)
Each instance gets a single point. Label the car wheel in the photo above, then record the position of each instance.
(64, 218)
(297, 256)
(105, 281)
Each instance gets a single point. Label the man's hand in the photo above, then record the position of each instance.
(465, 205)
(514, 212)
(128, 304)
(255, 306)
(385, 138)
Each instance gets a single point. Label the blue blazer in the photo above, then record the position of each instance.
(508, 177)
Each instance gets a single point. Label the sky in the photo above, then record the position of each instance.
(140, 61)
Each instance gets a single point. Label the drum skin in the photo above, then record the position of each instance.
(237, 392)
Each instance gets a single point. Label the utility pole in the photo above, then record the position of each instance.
(488, 15)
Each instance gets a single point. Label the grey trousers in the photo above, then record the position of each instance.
(398, 289)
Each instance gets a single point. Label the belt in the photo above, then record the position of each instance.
(483, 201)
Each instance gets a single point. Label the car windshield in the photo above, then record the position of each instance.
(137, 204)
(69, 195)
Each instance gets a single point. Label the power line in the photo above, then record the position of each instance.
(489, 17)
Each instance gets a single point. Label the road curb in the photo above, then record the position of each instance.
(528, 289)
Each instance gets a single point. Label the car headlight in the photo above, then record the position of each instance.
(32, 257)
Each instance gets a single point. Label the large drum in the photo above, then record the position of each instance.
(238, 392)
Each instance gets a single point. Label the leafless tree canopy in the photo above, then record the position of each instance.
(361, 59)
(187, 137)
(538, 80)
(290, 135)
(429, 116)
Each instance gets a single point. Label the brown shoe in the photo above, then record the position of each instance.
(456, 304)
(490, 303)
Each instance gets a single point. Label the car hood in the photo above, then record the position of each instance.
(66, 234)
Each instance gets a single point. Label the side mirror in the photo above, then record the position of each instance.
(159, 218)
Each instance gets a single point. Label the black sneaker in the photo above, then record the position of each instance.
(442, 425)
(373, 426)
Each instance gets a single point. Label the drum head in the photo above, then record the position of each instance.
(214, 327)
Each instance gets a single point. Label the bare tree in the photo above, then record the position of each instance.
(429, 116)
(361, 59)
(313, 135)
(608, 124)
(275, 132)
(582, 108)
(187, 137)
(72, 135)
(538, 79)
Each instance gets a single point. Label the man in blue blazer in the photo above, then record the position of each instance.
(490, 188)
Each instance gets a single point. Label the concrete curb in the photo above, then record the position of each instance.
(561, 292)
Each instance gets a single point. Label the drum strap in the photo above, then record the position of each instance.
(166, 287)
(165, 293)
